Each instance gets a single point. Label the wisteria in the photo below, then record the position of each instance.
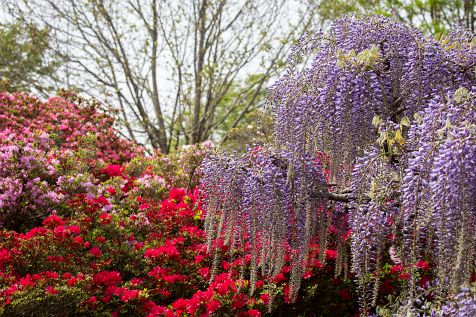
(363, 68)
(439, 188)
(394, 111)
(271, 200)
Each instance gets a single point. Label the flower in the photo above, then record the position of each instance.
(105, 218)
(112, 170)
(422, 265)
(128, 294)
(53, 221)
(254, 313)
(95, 251)
(107, 278)
(331, 254)
(177, 194)
(212, 306)
(51, 290)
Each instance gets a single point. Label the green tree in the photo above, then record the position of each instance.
(23, 65)
(432, 16)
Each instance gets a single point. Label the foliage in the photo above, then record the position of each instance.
(256, 128)
(433, 16)
(22, 57)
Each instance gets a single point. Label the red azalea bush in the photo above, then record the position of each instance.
(137, 259)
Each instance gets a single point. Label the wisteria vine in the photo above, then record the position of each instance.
(267, 199)
(395, 112)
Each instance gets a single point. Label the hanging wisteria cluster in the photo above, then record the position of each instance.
(395, 112)
(270, 200)
(439, 188)
(362, 68)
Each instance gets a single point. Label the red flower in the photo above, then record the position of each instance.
(424, 281)
(345, 294)
(92, 300)
(168, 249)
(53, 221)
(112, 170)
(177, 194)
(386, 287)
(107, 278)
(198, 258)
(51, 290)
(144, 206)
(239, 301)
(204, 271)
(404, 276)
(225, 265)
(74, 230)
(331, 254)
(180, 304)
(72, 281)
(128, 294)
(254, 313)
(397, 268)
(279, 278)
(212, 306)
(111, 190)
(422, 265)
(264, 298)
(307, 274)
(26, 281)
(95, 251)
(105, 218)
